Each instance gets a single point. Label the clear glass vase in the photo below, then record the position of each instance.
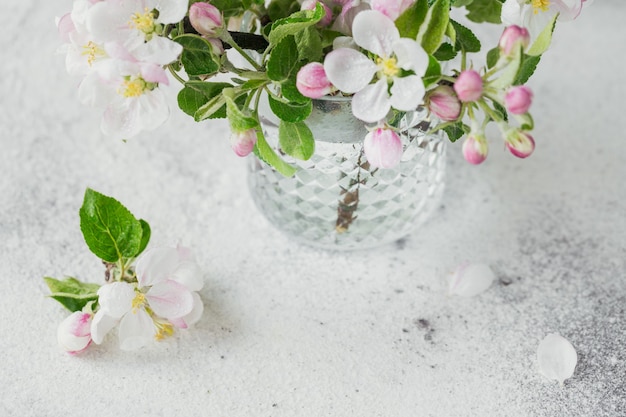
(336, 200)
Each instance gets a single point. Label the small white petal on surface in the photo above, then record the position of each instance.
(471, 279)
(170, 299)
(557, 357)
(411, 56)
(375, 32)
(136, 330)
(101, 325)
(116, 299)
(349, 70)
(407, 93)
(371, 104)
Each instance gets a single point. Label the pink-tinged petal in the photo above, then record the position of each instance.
(74, 333)
(184, 253)
(65, 26)
(407, 93)
(169, 299)
(383, 148)
(118, 51)
(154, 74)
(349, 70)
(520, 144)
(312, 81)
(115, 299)
(375, 32)
(411, 56)
(136, 330)
(371, 104)
(193, 316)
(156, 265)
(170, 11)
(567, 9)
(101, 325)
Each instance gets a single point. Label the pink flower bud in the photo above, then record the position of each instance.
(512, 37)
(444, 103)
(312, 82)
(518, 99)
(328, 14)
(475, 149)
(205, 18)
(520, 143)
(217, 47)
(243, 142)
(469, 86)
(74, 333)
(383, 148)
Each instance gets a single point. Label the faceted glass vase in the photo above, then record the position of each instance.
(336, 200)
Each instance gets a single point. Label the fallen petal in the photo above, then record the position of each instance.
(557, 357)
(471, 279)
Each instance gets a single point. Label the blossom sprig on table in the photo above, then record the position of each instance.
(148, 293)
(388, 55)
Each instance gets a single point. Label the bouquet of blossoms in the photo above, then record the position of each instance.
(389, 56)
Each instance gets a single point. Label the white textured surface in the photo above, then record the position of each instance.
(290, 331)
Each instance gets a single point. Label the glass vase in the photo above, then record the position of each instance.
(336, 200)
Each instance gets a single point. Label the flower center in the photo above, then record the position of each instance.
(540, 5)
(92, 52)
(388, 66)
(138, 301)
(133, 87)
(164, 329)
(143, 22)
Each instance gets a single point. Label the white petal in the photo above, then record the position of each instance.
(411, 56)
(108, 21)
(471, 279)
(116, 299)
(407, 93)
(94, 91)
(344, 42)
(101, 325)
(170, 299)
(136, 330)
(158, 50)
(121, 119)
(156, 265)
(189, 274)
(375, 32)
(511, 13)
(349, 70)
(371, 104)
(557, 357)
(193, 316)
(153, 109)
(170, 11)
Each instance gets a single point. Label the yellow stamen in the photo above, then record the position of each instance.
(138, 301)
(92, 51)
(143, 22)
(388, 66)
(132, 87)
(164, 330)
(540, 5)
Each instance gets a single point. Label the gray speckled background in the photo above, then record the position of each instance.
(291, 331)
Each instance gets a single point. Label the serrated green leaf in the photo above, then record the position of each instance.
(410, 21)
(465, 38)
(492, 57)
(197, 56)
(145, 235)
(110, 230)
(433, 29)
(290, 112)
(454, 131)
(461, 3)
(196, 94)
(445, 52)
(284, 60)
(266, 154)
(290, 91)
(296, 140)
(542, 43)
(71, 293)
(433, 72)
(501, 110)
(295, 23)
(480, 11)
(527, 69)
(239, 117)
(309, 44)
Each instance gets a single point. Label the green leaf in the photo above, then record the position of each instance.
(239, 118)
(197, 56)
(410, 21)
(542, 43)
(454, 131)
(501, 110)
(433, 72)
(290, 112)
(196, 94)
(492, 57)
(295, 23)
(266, 154)
(309, 44)
(290, 92)
(461, 3)
(433, 29)
(484, 11)
(284, 60)
(279, 9)
(465, 38)
(296, 140)
(527, 69)
(110, 230)
(145, 235)
(445, 52)
(71, 293)
(508, 75)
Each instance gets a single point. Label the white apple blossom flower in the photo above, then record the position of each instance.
(164, 296)
(352, 71)
(536, 14)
